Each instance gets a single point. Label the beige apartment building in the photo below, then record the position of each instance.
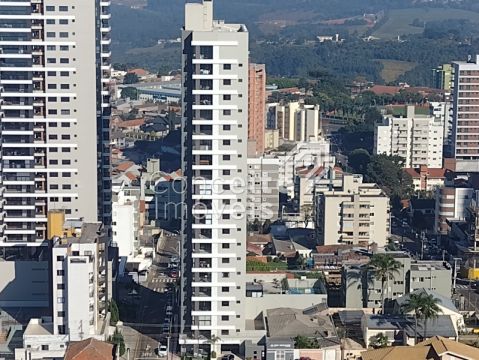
(351, 212)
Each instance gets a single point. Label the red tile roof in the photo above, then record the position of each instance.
(434, 173)
(138, 72)
(131, 176)
(89, 349)
(131, 123)
(125, 165)
(383, 89)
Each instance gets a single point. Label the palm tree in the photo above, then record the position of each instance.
(425, 306)
(384, 266)
(213, 340)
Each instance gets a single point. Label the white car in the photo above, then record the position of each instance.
(162, 350)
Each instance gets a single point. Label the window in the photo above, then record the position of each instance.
(226, 201)
(226, 127)
(52, 112)
(60, 272)
(63, 21)
(63, 34)
(66, 175)
(50, 34)
(226, 82)
(225, 332)
(52, 137)
(64, 124)
(65, 137)
(64, 73)
(225, 246)
(225, 303)
(52, 73)
(226, 275)
(44, 347)
(226, 142)
(54, 174)
(63, 8)
(66, 187)
(53, 162)
(226, 66)
(226, 157)
(226, 172)
(60, 258)
(65, 112)
(52, 86)
(66, 150)
(50, 22)
(226, 112)
(227, 187)
(226, 97)
(51, 61)
(67, 199)
(61, 313)
(225, 261)
(60, 286)
(64, 61)
(225, 289)
(64, 47)
(65, 86)
(225, 231)
(225, 318)
(66, 162)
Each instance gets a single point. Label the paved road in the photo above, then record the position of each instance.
(145, 328)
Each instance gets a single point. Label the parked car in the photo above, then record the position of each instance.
(228, 357)
(162, 350)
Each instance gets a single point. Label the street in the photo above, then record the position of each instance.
(144, 309)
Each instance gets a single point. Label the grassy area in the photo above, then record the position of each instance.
(252, 265)
(399, 22)
(159, 57)
(392, 69)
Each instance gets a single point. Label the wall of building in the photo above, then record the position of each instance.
(24, 284)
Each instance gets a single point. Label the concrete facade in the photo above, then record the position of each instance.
(354, 213)
(55, 109)
(359, 287)
(256, 105)
(215, 133)
(263, 194)
(465, 112)
(416, 138)
(451, 204)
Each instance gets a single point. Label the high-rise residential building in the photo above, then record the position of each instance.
(465, 123)
(307, 123)
(263, 192)
(441, 110)
(215, 133)
(416, 138)
(256, 105)
(55, 111)
(442, 77)
(349, 211)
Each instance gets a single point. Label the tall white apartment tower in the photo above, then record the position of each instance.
(465, 121)
(54, 114)
(215, 131)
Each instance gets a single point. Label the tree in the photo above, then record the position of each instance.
(129, 93)
(300, 261)
(213, 340)
(118, 340)
(114, 312)
(425, 306)
(307, 212)
(387, 172)
(266, 227)
(378, 341)
(358, 160)
(131, 78)
(384, 266)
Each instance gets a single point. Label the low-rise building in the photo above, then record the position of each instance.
(360, 288)
(271, 139)
(352, 213)
(451, 204)
(437, 347)
(426, 179)
(400, 330)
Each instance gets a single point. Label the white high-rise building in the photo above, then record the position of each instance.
(416, 138)
(54, 114)
(215, 132)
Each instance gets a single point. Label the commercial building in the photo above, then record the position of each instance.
(465, 112)
(349, 211)
(263, 192)
(360, 288)
(215, 133)
(256, 105)
(55, 110)
(416, 138)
